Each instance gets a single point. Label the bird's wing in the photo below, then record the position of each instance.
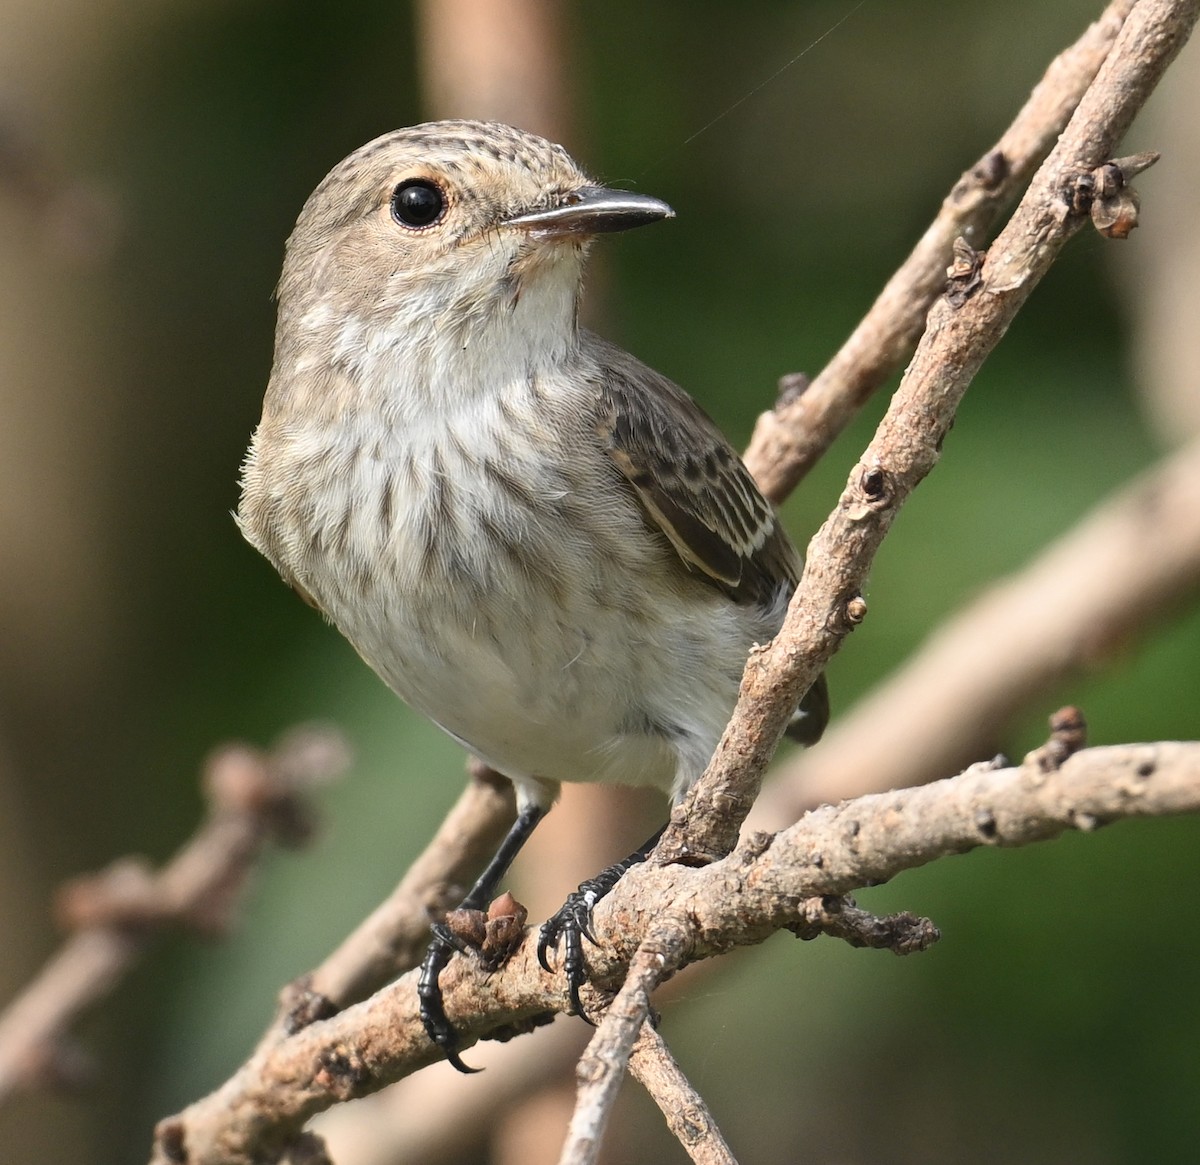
(694, 488)
(690, 481)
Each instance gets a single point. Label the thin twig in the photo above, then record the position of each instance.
(839, 917)
(253, 797)
(1125, 566)
(686, 1114)
(962, 330)
(602, 1067)
(660, 954)
(789, 439)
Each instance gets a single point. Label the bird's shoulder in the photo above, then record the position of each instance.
(689, 480)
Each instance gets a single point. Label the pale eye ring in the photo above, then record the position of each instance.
(418, 203)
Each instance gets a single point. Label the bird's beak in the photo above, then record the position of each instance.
(590, 210)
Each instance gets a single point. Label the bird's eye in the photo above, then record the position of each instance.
(417, 203)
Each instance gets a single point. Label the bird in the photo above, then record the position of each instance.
(536, 541)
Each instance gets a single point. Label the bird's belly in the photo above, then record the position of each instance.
(536, 693)
(542, 683)
(561, 652)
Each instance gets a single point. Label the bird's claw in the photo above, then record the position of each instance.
(571, 925)
(432, 1007)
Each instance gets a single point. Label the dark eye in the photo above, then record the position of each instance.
(417, 203)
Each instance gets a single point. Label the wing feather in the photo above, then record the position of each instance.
(690, 481)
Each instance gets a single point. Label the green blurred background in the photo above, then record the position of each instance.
(1058, 1018)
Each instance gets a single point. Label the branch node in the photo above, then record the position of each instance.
(1106, 195)
(341, 1072)
(873, 482)
(1116, 217)
(839, 917)
(1133, 165)
(492, 936)
(270, 786)
(754, 845)
(307, 1149)
(1068, 734)
(300, 1006)
(991, 169)
(124, 894)
(310, 756)
(240, 779)
(985, 823)
(169, 1140)
(792, 386)
(986, 177)
(1084, 822)
(963, 276)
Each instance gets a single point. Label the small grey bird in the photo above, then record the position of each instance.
(534, 539)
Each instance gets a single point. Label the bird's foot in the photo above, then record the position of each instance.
(573, 923)
(570, 926)
(491, 936)
(469, 929)
(429, 995)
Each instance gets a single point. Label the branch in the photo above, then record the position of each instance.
(687, 1116)
(789, 439)
(1129, 562)
(252, 797)
(602, 1068)
(963, 327)
(659, 956)
(508, 62)
(761, 887)
(259, 1112)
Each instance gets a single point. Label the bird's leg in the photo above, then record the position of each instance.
(429, 991)
(572, 924)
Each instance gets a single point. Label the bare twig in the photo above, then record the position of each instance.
(252, 797)
(602, 1067)
(660, 954)
(962, 330)
(790, 438)
(1126, 565)
(902, 934)
(683, 1108)
(758, 889)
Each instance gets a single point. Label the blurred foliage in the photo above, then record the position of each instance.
(1053, 1020)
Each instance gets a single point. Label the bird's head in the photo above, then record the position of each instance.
(446, 230)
